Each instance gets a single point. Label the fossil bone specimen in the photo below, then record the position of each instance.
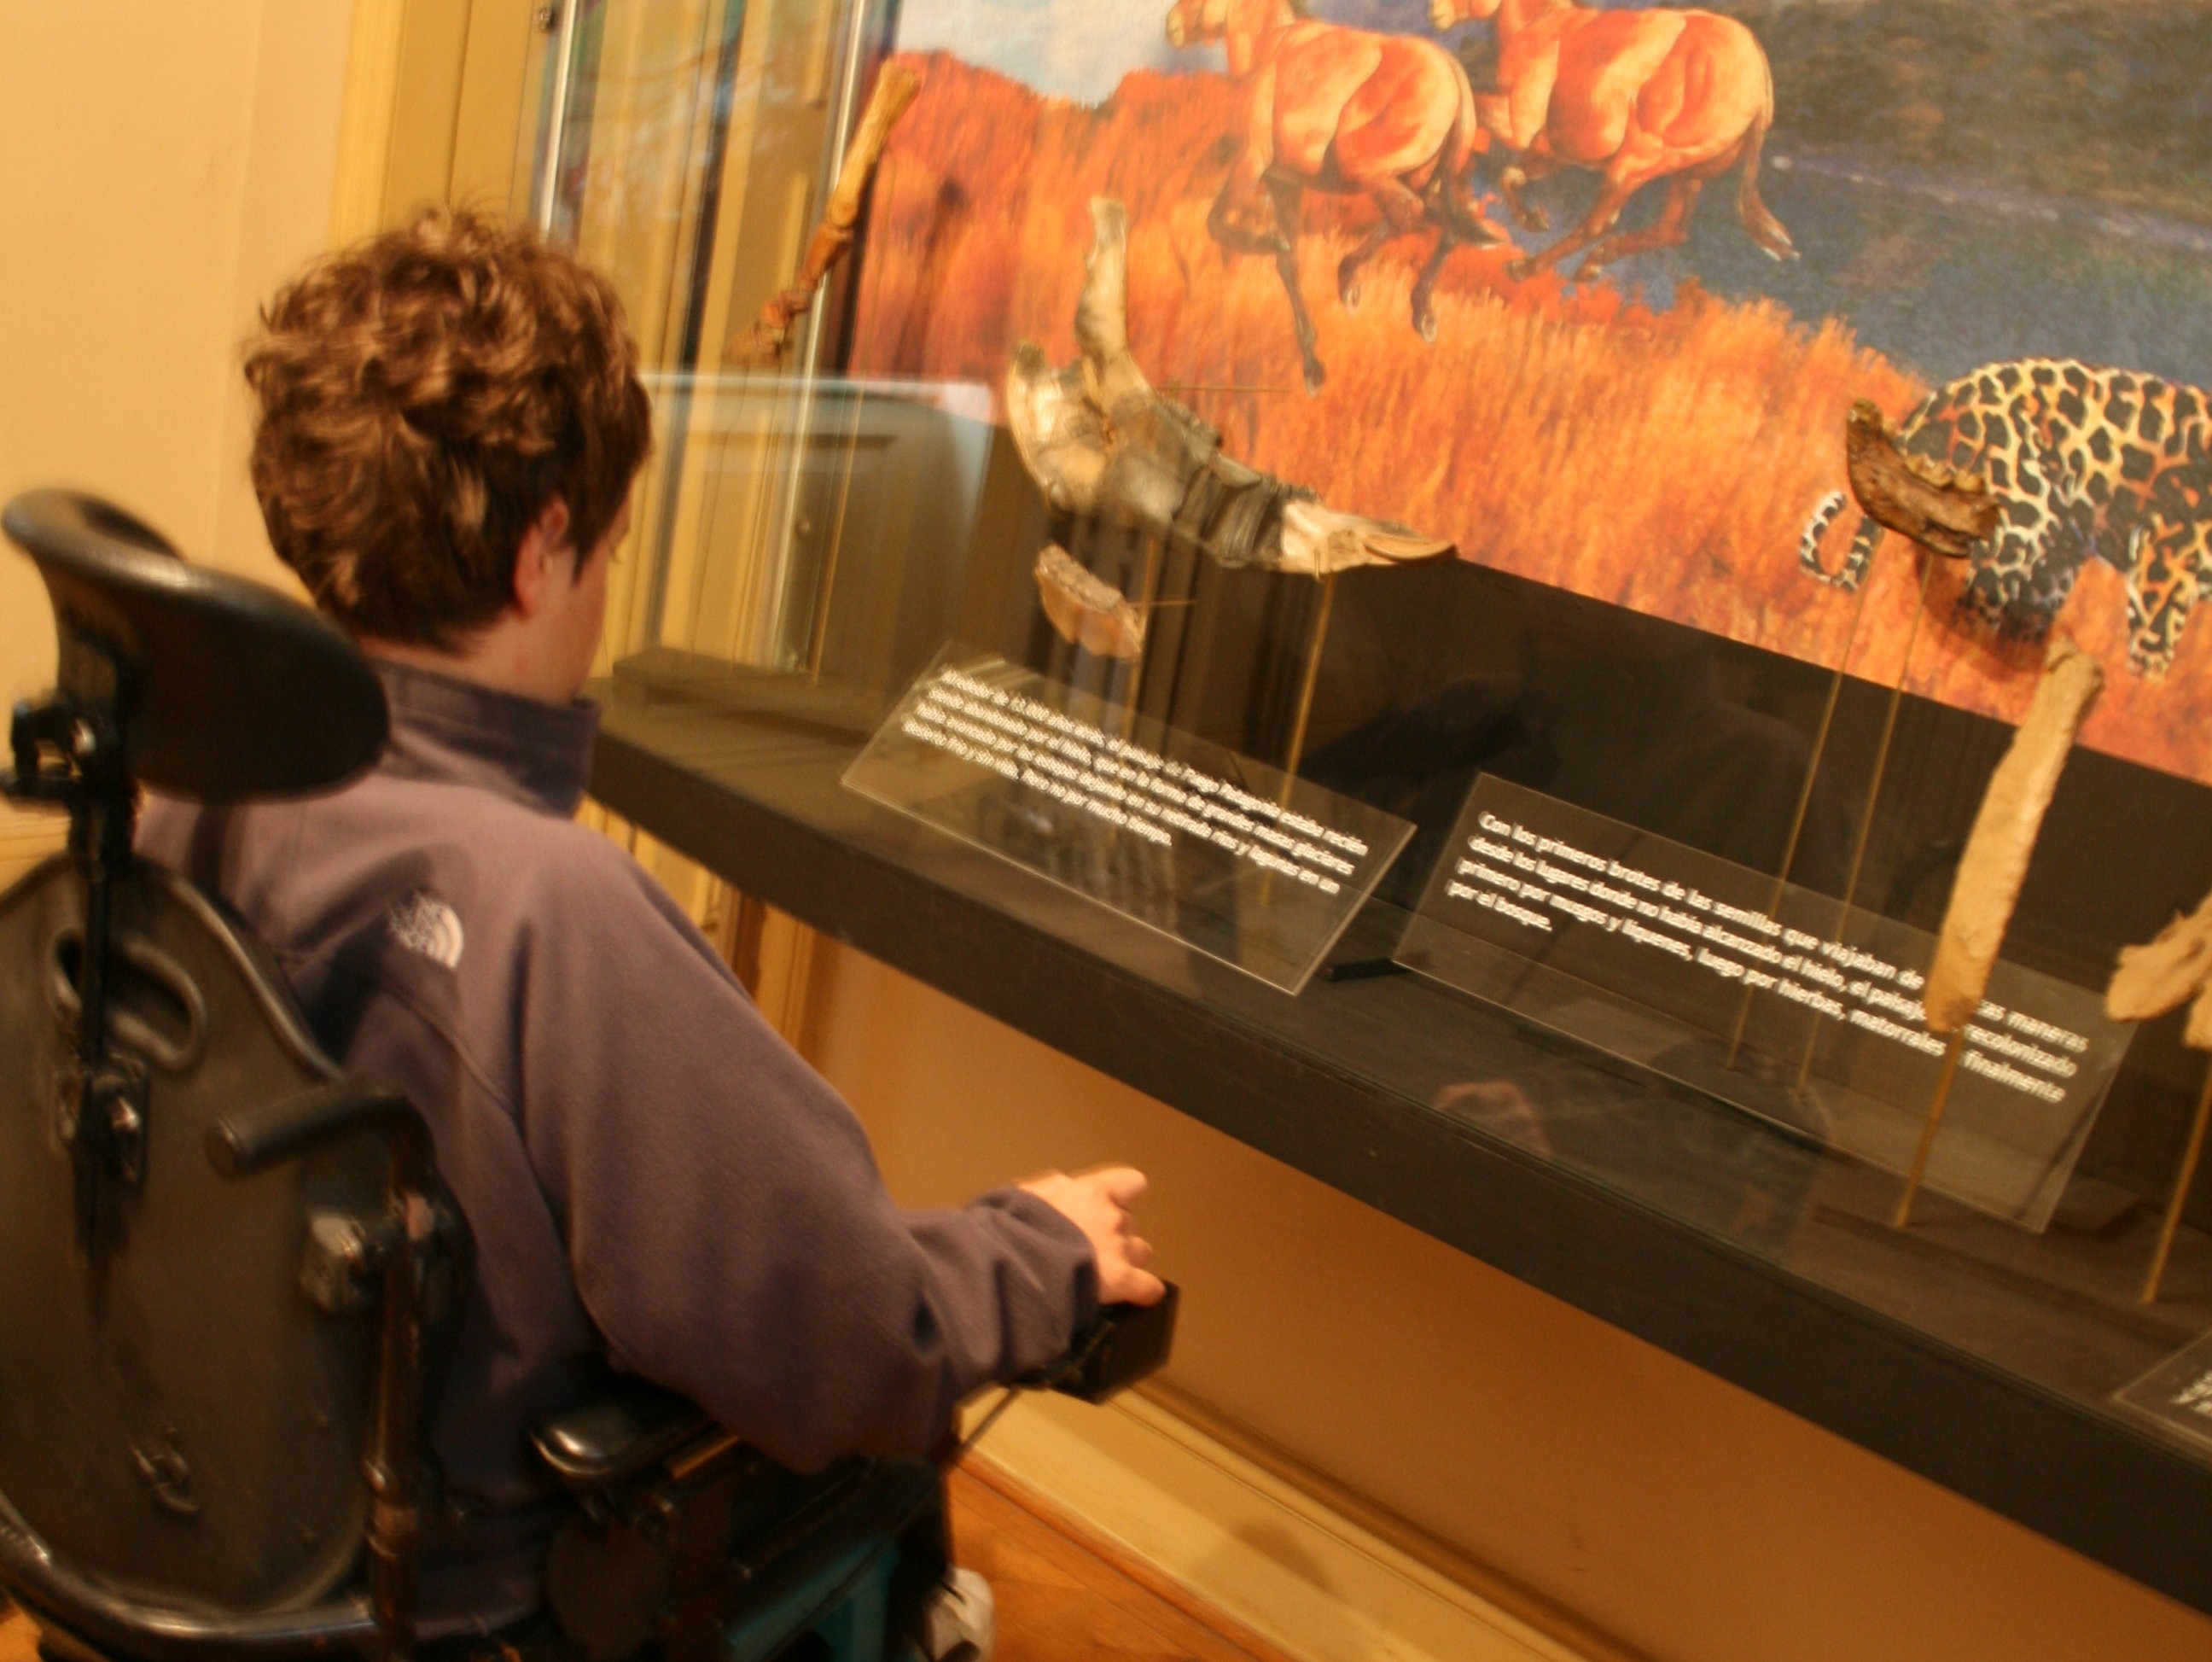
(1101, 444)
(1931, 501)
(895, 89)
(2167, 970)
(1087, 610)
(2003, 838)
(2175, 964)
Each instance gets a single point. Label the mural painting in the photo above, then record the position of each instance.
(1454, 264)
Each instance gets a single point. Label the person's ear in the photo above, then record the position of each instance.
(543, 556)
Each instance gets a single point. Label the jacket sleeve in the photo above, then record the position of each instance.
(729, 1233)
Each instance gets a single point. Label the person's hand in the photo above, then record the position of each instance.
(1098, 1203)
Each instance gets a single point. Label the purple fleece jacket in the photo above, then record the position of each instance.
(649, 1174)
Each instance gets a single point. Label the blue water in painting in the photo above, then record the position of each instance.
(1942, 275)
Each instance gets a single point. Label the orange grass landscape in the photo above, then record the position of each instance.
(1665, 460)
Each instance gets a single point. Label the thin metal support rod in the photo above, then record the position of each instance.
(1872, 801)
(1149, 588)
(1804, 799)
(819, 638)
(556, 117)
(2181, 1183)
(394, 1466)
(818, 641)
(803, 365)
(1297, 749)
(1903, 1215)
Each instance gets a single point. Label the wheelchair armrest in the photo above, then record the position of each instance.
(634, 1425)
(620, 1435)
(243, 1144)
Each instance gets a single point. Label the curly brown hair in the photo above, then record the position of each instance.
(424, 395)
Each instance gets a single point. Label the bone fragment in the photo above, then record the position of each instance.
(1935, 505)
(758, 346)
(2196, 1033)
(1102, 443)
(2173, 967)
(2003, 838)
(1085, 609)
(1316, 540)
(2165, 971)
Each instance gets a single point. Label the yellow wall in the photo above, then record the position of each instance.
(1680, 1515)
(160, 167)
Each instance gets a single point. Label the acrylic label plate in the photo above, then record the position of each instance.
(2176, 1396)
(1776, 1000)
(1231, 857)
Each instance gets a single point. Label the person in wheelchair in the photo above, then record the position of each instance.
(449, 420)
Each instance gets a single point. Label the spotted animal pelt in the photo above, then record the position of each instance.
(2087, 463)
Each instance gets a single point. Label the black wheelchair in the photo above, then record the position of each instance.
(220, 1259)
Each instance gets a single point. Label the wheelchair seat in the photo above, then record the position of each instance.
(220, 1258)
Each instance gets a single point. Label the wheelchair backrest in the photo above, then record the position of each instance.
(176, 1416)
(185, 1388)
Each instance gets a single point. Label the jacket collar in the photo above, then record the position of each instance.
(456, 732)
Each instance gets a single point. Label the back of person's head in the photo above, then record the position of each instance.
(424, 397)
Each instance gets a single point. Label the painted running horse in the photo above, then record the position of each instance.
(1635, 95)
(1346, 110)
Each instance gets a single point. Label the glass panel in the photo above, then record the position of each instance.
(1662, 609)
(1718, 977)
(1248, 865)
(2176, 1396)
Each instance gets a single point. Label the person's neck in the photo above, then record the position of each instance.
(493, 660)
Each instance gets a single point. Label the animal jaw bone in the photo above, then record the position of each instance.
(1087, 610)
(1101, 444)
(1938, 507)
(1995, 863)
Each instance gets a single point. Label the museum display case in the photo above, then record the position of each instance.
(1186, 556)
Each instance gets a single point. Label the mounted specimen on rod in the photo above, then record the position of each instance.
(1086, 610)
(1993, 867)
(1102, 445)
(1995, 863)
(760, 345)
(2173, 969)
(1942, 508)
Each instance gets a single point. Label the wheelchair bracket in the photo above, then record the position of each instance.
(56, 728)
(408, 1252)
(343, 1265)
(70, 754)
(100, 1116)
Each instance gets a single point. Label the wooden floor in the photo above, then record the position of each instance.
(1063, 1595)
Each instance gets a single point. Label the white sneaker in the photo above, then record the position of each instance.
(960, 1623)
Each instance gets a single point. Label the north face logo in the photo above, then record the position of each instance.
(424, 923)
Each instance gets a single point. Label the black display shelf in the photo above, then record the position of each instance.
(1978, 1357)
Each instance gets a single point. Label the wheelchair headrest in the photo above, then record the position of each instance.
(222, 688)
